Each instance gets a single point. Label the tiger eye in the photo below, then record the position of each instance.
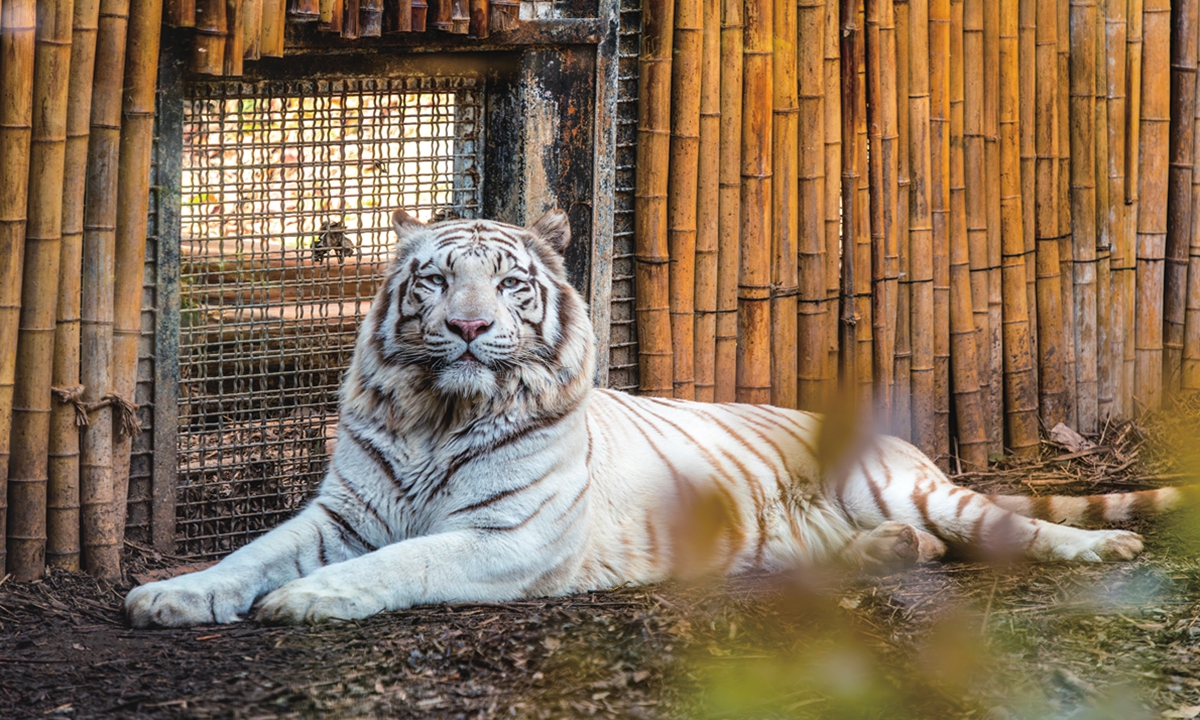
(509, 283)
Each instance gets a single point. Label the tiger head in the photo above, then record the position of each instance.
(481, 308)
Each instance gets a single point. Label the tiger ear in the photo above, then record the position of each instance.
(555, 229)
(404, 224)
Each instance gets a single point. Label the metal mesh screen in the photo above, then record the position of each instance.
(622, 359)
(287, 194)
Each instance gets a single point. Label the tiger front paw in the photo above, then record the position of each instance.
(314, 599)
(1077, 545)
(201, 598)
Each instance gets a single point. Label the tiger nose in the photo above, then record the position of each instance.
(468, 329)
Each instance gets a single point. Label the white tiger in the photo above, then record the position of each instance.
(476, 462)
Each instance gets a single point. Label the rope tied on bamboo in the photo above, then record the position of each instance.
(127, 422)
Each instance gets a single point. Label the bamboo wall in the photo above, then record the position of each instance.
(975, 216)
(228, 32)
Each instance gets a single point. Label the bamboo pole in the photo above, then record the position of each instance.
(1134, 48)
(976, 195)
(101, 545)
(939, 200)
(235, 47)
(352, 19)
(1105, 367)
(1179, 187)
(754, 274)
(505, 18)
(180, 13)
(924, 425)
(1066, 249)
(785, 200)
(208, 45)
(1152, 200)
(883, 168)
(274, 18)
(480, 21)
(252, 26)
(1083, 209)
(1027, 42)
(849, 51)
(1020, 386)
(862, 247)
(991, 378)
(505, 15)
(1052, 391)
(442, 13)
(964, 353)
(1190, 363)
(303, 11)
(62, 502)
(681, 190)
(133, 200)
(17, 27)
(650, 198)
(901, 420)
(812, 346)
(28, 471)
(1116, 217)
(708, 204)
(729, 205)
(17, 30)
(833, 190)
(370, 18)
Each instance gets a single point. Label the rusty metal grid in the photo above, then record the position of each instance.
(622, 356)
(286, 197)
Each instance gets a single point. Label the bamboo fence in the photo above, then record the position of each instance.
(1000, 198)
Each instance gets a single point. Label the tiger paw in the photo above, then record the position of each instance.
(201, 598)
(313, 600)
(1092, 546)
(893, 546)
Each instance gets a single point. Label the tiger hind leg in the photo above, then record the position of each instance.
(892, 481)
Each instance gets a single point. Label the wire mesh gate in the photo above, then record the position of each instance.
(286, 199)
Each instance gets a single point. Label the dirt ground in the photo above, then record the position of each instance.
(957, 639)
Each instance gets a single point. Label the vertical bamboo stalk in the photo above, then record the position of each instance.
(420, 10)
(901, 420)
(1027, 42)
(480, 21)
(650, 198)
(1052, 383)
(1134, 48)
(274, 17)
(303, 11)
(754, 274)
(681, 190)
(1153, 152)
(939, 200)
(28, 471)
(976, 196)
(180, 13)
(1116, 217)
(708, 204)
(235, 48)
(812, 346)
(863, 300)
(924, 425)
(505, 15)
(964, 353)
(883, 132)
(208, 45)
(101, 545)
(1020, 386)
(17, 27)
(62, 502)
(1083, 208)
(1105, 368)
(730, 203)
(1190, 363)
(1066, 249)
(441, 15)
(133, 201)
(332, 12)
(833, 188)
(252, 26)
(1179, 187)
(991, 379)
(849, 50)
(785, 194)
